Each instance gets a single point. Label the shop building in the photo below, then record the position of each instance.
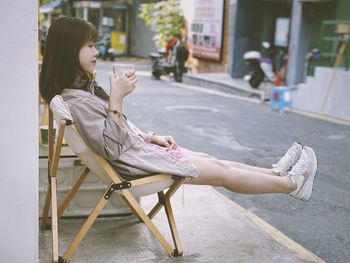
(109, 17)
(118, 18)
(325, 26)
(253, 22)
(295, 28)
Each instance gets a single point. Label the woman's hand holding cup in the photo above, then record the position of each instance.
(122, 83)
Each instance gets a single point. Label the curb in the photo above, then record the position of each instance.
(221, 86)
(319, 117)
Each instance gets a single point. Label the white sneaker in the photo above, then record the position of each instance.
(288, 160)
(303, 174)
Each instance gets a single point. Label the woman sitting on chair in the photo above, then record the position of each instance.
(67, 70)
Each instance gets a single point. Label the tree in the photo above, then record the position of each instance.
(165, 19)
(43, 2)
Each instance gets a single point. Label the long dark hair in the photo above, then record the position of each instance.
(61, 64)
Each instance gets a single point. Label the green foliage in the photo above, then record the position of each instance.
(43, 2)
(165, 19)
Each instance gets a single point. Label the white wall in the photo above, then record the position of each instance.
(327, 92)
(19, 136)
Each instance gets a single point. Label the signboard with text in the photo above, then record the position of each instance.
(205, 26)
(281, 32)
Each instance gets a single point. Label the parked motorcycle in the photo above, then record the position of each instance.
(104, 48)
(175, 64)
(261, 68)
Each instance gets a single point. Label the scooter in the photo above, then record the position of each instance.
(261, 68)
(162, 65)
(104, 48)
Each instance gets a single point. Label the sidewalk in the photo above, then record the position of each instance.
(212, 228)
(223, 82)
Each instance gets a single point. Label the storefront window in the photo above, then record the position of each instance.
(116, 19)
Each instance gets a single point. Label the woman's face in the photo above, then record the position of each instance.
(87, 57)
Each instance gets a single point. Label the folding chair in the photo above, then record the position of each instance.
(128, 190)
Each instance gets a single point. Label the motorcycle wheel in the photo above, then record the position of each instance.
(256, 80)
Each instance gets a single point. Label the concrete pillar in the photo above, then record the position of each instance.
(19, 131)
(233, 19)
(245, 27)
(298, 43)
(140, 37)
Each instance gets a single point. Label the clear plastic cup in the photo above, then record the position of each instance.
(122, 69)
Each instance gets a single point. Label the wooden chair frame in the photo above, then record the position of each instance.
(117, 184)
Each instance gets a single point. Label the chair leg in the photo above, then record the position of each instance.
(148, 222)
(72, 192)
(83, 230)
(44, 217)
(168, 194)
(169, 213)
(54, 227)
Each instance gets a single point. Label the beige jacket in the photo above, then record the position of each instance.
(129, 154)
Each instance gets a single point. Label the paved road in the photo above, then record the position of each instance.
(248, 132)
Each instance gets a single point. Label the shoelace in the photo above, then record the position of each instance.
(299, 167)
(286, 161)
(295, 174)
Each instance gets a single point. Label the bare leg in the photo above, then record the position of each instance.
(238, 165)
(251, 168)
(218, 173)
